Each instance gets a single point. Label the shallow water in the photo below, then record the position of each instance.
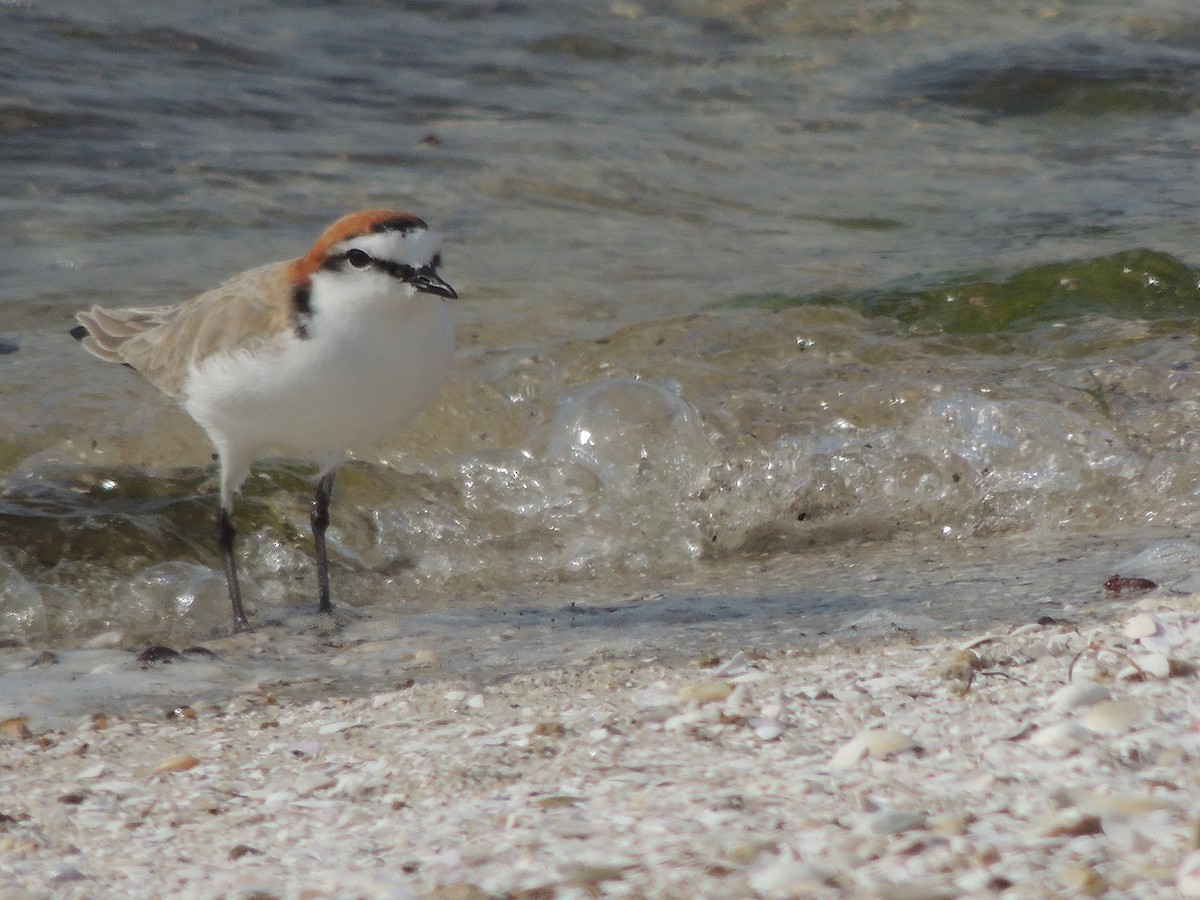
(825, 287)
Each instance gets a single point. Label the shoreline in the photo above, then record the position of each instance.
(932, 766)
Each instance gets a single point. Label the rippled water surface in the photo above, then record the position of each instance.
(761, 303)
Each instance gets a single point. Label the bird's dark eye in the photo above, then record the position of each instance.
(358, 258)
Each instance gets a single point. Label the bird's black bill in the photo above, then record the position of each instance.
(430, 282)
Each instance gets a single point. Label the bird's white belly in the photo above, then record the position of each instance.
(344, 387)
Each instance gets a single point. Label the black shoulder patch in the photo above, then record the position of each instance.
(301, 309)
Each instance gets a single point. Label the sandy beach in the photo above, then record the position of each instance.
(1054, 758)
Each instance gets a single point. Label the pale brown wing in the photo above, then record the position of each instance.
(162, 342)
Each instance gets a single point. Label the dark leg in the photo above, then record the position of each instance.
(319, 517)
(225, 535)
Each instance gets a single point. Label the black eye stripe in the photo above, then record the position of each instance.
(396, 270)
(360, 260)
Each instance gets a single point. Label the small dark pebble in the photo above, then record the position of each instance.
(45, 658)
(431, 139)
(9, 343)
(157, 654)
(1050, 620)
(73, 799)
(241, 850)
(1117, 583)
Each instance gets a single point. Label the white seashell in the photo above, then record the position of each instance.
(1030, 628)
(1115, 716)
(117, 788)
(352, 785)
(1187, 879)
(475, 701)
(454, 697)
(891, 821)
(735, 665)
(979, 642)
(652, 697)
(335, 727)
(692, 716)
(1079, 695)
(1136, 834)
(1062, 736)
(1061, 644)
(1161, 643)
(784, 876)
(877, 743)
(1143, 625)
(767, 729)
(740, 698)
(1157, 665)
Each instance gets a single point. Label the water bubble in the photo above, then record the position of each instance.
(22, 609)
(176, 592)
(635, 435)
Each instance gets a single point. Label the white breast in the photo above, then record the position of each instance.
(364, 371)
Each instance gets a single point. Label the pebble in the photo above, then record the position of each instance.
(1070, 823)
(175, 764)
(705, 691)
(15, 727)
(67, 873)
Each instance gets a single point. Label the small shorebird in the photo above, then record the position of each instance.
(316, 355)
